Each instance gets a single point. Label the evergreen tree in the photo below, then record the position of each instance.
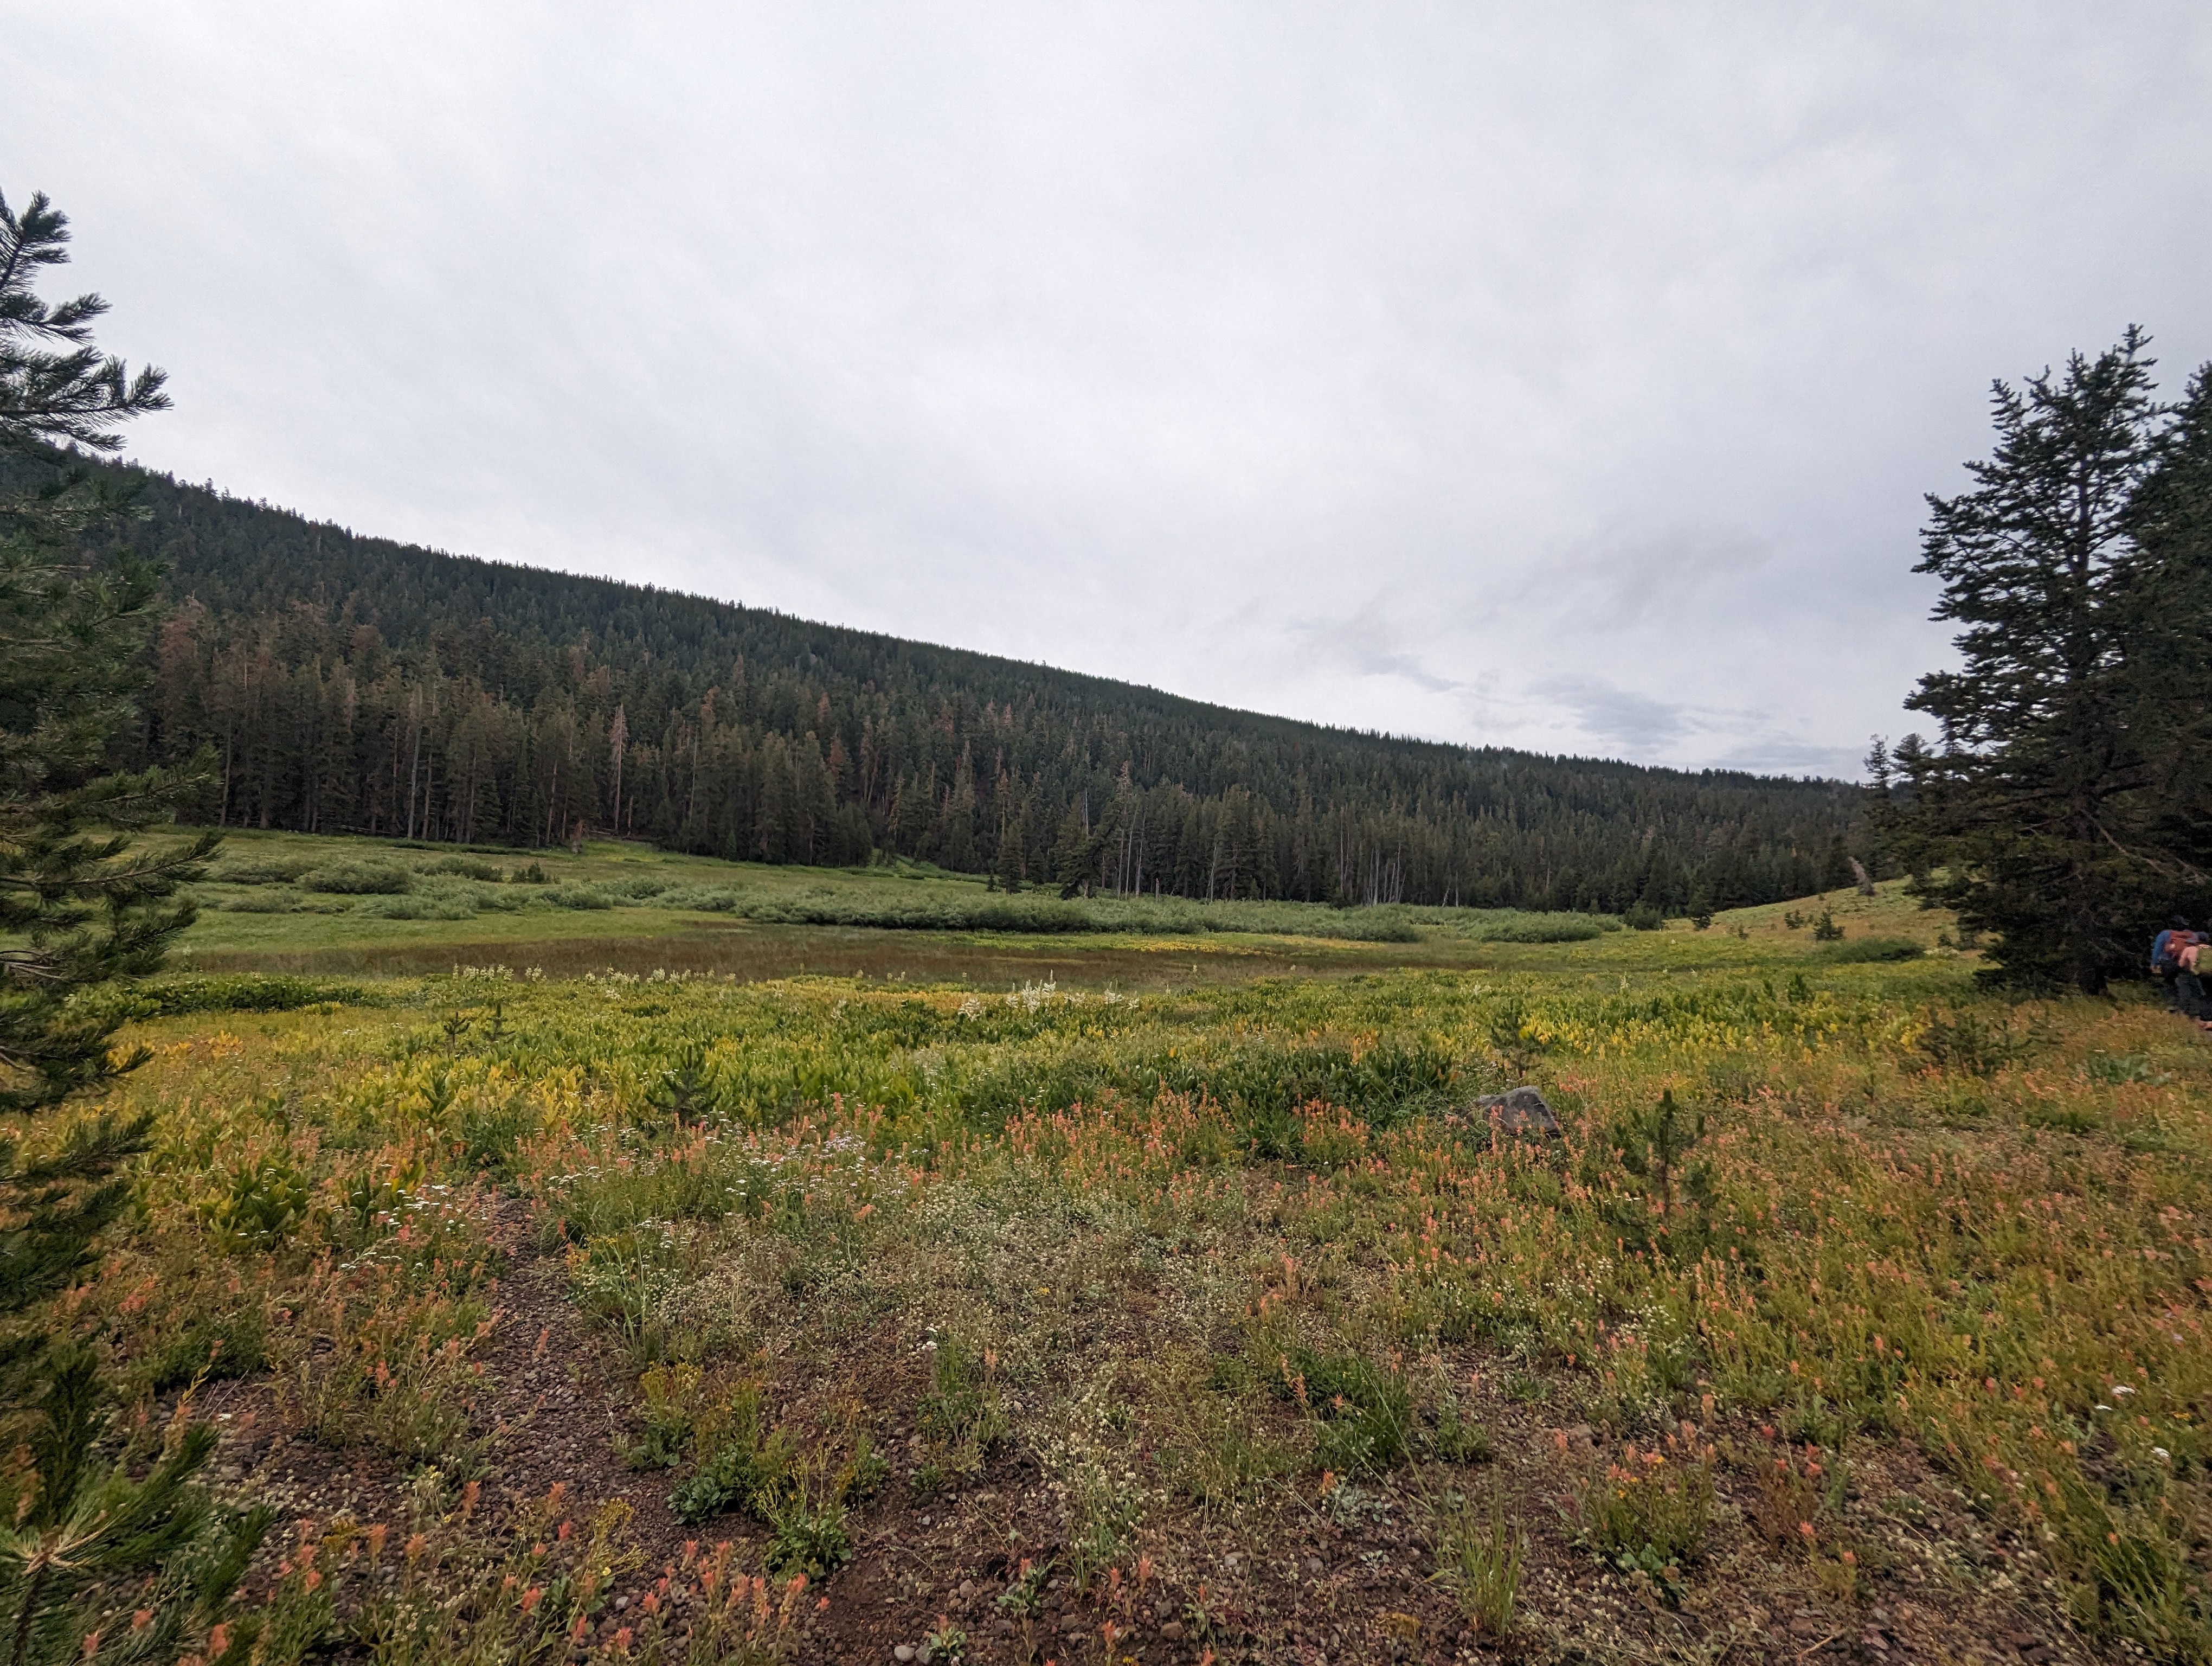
(1074, 855)
(1009, 869)
(2170, 649)
(81, 903)
(55, 386)
(2037, 815)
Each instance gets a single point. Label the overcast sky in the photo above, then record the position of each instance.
(1551, 376)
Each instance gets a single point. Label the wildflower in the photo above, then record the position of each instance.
(531, 1597)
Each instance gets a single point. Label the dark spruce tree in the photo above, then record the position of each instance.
(2170, 652)
(2043, 812)
(81, 904)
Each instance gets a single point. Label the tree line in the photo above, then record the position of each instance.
(351, 684)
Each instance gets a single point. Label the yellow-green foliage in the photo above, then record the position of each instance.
(1916, 1213)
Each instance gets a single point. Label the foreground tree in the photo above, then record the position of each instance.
(2046, 813)
(81, 905)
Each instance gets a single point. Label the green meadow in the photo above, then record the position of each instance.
(618, 1256)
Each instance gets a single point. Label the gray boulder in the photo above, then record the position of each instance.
(1522, 1111)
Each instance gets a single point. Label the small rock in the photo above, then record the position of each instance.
(621, 1602)
(904, 1652)
(1003, 1626)
(967, 1591)
(1172, 1631)
(1313, 1565)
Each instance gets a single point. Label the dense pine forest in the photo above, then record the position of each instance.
(351, 684)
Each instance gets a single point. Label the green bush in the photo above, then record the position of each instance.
(709, 899)
(1645, 918)
(1544, 928)
(570, 894)
(240, 992)
(419, 907)
(358, 879)
(261, 871)
(464, 867)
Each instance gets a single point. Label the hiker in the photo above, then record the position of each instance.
(2187, 984)
(2166, 958)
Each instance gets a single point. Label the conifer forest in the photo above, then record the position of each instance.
(348, 683)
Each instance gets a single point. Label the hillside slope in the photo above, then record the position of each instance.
(349, 682)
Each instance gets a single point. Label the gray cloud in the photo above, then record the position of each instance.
(1566, 378)
(1619, 719)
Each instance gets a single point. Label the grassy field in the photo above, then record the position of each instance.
(296, 903)
(1108, 1294)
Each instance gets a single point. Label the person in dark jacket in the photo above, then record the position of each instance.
(2166, 958)
(2189, 981)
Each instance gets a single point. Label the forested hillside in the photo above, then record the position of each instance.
(347, 683)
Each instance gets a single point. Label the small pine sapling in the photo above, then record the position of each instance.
(1671, 1209)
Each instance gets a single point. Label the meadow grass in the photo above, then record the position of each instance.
(1191, 1314)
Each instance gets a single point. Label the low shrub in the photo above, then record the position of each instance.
(358, 879)
(241, 991)
(571, 894)
(260, 870)
(1543, 928)
(706, 899)
(418, 908)
(465, 867)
